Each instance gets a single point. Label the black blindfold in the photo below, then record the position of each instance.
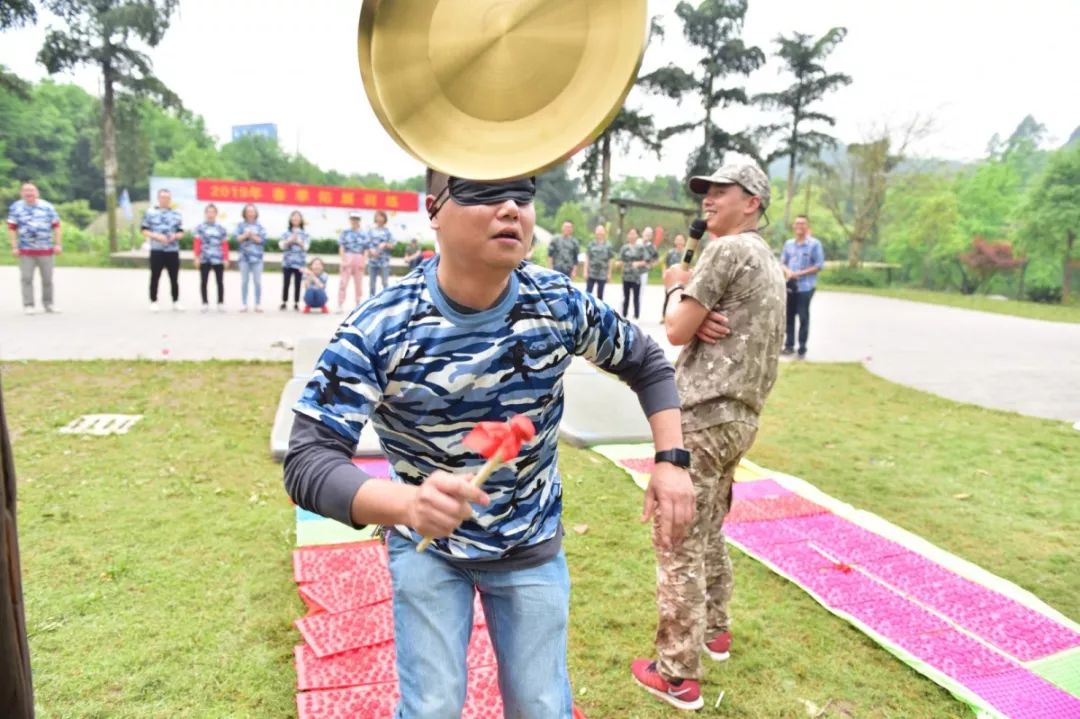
(470, 192)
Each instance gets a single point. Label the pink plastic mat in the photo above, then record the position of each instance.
(377, 701)
(329, 561)
(966, 631)
(370, 665)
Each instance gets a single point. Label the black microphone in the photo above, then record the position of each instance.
(697, 230)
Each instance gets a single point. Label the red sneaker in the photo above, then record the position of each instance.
(686, 694)
(719, 647)
(307, 310)
(325, 310)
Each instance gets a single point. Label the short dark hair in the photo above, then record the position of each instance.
(385, 218)
(211, 205)
(243, 212)
(802, 216)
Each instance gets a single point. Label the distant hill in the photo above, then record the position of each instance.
(778, 168)
(1075, 137)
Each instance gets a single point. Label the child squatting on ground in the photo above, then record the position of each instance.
(315, 279)
(474, 334)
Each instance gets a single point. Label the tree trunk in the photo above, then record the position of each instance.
(16, 688)
(790, 178)
(108, 146)
(707, 147)
(1067, 269)
(855, 251)
(605, 173)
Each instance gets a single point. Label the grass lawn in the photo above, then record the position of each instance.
(1031, 310)
(158, 575)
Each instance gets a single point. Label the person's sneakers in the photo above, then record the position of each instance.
(244, 308)
(283, 306)
(719, 647)
(258, 308)
(29, 310)
(325, 310)
(154, 307)
(307, 310)
(205, 308)
(787, 351)
(220, 306)
(341, 309)
(177, 307)
(802, 354)
(684, 694)
(51, 310)
(296, 306)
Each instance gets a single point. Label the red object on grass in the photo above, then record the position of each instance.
(503, 438)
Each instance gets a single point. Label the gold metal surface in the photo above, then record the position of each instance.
(495, 89)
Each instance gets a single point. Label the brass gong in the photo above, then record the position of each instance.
(496, 89)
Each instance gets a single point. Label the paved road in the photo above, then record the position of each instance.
(1009, 363)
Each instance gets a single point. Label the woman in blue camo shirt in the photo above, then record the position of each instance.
(294, 246)
(251, 240)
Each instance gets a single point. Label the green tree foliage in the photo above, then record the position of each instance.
(713, 28)
(253, 157)
(44, 138)
(921, 227)
(193, 161)
(662, 190)
(803, 56)
(855, 188)
(575, 213)
(555, 188)
(1051, 219)
(105, 34)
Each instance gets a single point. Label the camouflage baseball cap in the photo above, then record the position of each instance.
(748, 176)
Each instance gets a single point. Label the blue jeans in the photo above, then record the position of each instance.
(798, 306)
(315, 297)
(254, 271)
(375, 272)
(526, 611)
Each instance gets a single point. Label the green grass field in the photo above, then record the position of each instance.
(1030, 310)
(157, 565)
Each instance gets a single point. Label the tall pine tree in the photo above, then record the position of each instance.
(803, 56)
(713, 28)
(103, 33)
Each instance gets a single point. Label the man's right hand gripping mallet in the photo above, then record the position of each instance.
(497, 441)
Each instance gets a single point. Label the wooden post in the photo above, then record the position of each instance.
(16, 689)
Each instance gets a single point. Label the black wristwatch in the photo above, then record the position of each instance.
(678, 457)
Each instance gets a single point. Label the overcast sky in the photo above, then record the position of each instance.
(976, 66)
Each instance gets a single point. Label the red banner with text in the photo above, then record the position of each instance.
(285, 193)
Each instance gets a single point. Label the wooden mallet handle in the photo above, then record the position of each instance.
(477, 481)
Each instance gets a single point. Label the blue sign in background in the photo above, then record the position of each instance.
(266, 129)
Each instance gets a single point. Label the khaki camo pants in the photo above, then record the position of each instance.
(693, 580)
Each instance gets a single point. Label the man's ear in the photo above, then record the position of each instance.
(755, 205)
(429, 201)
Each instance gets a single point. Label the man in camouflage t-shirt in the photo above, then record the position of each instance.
(723, 377)
(563, 252)
(600, 257)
